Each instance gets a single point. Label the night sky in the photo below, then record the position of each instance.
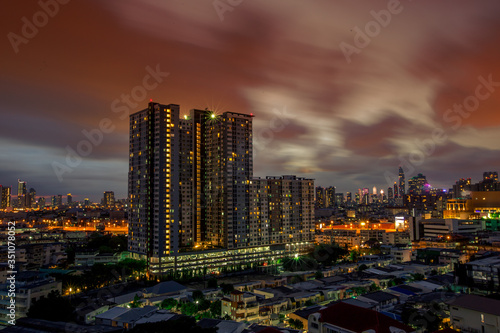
(342, 120)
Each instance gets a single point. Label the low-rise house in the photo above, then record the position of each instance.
(472, 313)
(343, 317)
(223, 326)
(128, 318)
(30, 287)
(240, 306)
(382, 300)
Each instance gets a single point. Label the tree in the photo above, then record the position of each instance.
(328, 254)
(54, 307)
(227, 288)
(216, 309)
(354, 255)
(212, 283)
(318, 275)
(198, 295)
(203, 305)
(168, 303)
(296, 323)
(309, 303)
(136, 302)
(418, 277)
(362, 267)
(189, 309)
(297, 264)
(374, 287)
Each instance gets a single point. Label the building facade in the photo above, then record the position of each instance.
(192, 190)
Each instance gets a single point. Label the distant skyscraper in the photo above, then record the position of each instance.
(396, 191)
(59, 201)
(402, 189)
(108, 199)
(21, 194)
(330, 197)
(320, 197)
(86, 202)
(31, 198)
(41, 202)
(374, 190)
(69, 199)
(5, 195)
(491, 176)
(349, 197)
(339, 199)
(460, 187)
(390, 193)
(417, 185)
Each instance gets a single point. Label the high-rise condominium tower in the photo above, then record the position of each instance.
(191, 188)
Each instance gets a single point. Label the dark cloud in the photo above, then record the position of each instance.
(346, 124)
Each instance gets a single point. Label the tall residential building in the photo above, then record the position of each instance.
(330, 197)
(291, 213)
(402, 189)
(390, 193)
(490, 176)
(69, 199)
(31, 198)
(108, 199)
(396, 191)
(41, 202)
(57, 200)
(153, 182)
(21, 194)
(320, 197)
(191, 188)
(5, 196)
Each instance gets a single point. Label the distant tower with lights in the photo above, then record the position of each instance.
(402, 186)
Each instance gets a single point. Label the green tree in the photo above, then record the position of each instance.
(418, 277)
(189, 309)
(53, 307)
(297, 264)
(203, 305)
(354, 255)
(309, 303)
(227, 288)
(216, 308)
(362, 267)
(168, 303)
(296, 324)
(212, 283)
(318, 275)
(198, 295)
(136, 302)
(328, 254)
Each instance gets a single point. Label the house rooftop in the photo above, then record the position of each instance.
(348, 316)
(477, 303)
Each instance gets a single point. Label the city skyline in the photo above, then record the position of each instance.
(342, 119)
